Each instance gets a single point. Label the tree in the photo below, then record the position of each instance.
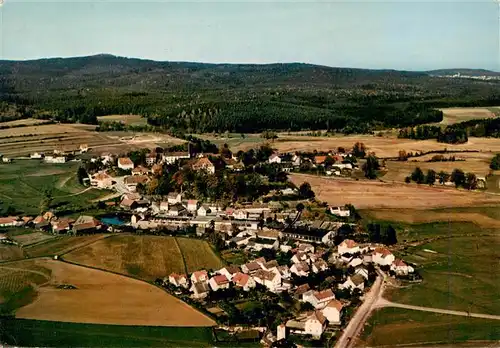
(46, 201)
(225, 152)
(443, 177)
(300, 207)
(407, 179)
(269, 135)
(430, 178)
(305, 191)
(371, 166)
(81, 174)
(418, 175)
(495, 162)
(329, 160)
(389, 236)
(359, 150)
(152, 186)
(470, 181)
(458, 177)
(402, 155)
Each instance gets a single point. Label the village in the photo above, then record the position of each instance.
(307, 264)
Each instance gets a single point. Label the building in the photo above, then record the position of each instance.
(299, 257)
(251, 267)
(300, 269)
(319, 159)
(151, 158)
(333, 312)
(319, 299)
(174, 198)
(84, 148)
(296, 160)
(204, 164)
(348, 246)
(319, 265)
(362, 271)
(172, 157)
(203, 210)
(383, 257)
(86, 224)
(340, 211)
(61, 225)
(310, 235)
(36, 155)
(192, 205)
(176, 210)
(271, 280)
(6, 159)
(200, 290)
(55, 159)
(125, 163)
(257, 244)
(132, 181)
(219, 282)
(199, 276)
(140, 170)
(163, 206)
(274, 158)
(354, 282)
(229, 271)
(178, 280)
(101, 180)
(243, 281)
(399, 267)
(10, 221)
(315, 324)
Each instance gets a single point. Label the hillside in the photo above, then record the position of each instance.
(198, 97)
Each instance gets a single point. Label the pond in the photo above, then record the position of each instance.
(113, 220)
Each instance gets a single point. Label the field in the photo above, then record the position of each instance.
(23, 122)
(10, 252)
(456, 115)
(22, 185)
(129, 120)
(376, 194)
(61, 245)
(145, 257)
(394, 326)
(108, 299)
(198, 254)
(34, 237)
(37, 333)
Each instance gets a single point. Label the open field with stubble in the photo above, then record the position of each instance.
(108, 299)
(198, 255)
(129, 120)
(395, 326)
(374, 194)
(457, 115)
(61, 245)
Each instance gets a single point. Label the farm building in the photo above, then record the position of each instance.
(125, 163)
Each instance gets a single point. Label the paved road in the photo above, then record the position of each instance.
(356, 324)
(384, 303)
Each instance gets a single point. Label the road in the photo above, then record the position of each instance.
(356, 324)
(384, 303)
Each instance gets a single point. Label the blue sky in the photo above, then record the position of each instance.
(411, 35)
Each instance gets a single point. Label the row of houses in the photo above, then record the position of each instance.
(49, 222)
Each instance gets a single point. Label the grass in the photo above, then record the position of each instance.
(23, 332)
(10, 252)
(395, 326)
(198, 254)
(59, 245)
(130, 120)
(33, 237)
(24, 182)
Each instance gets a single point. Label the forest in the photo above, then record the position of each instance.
(187, 97)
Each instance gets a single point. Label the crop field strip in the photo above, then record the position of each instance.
(198, 255)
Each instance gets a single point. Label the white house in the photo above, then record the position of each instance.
(274, 158)
(199, 276)
(36, 155)
(244, 281)
(300, 269)
(383, 257)
(296, 161)
(229, 271)
(251, 267)
(174, 198)
(54, 159)
(258, 244)
(200, 290)
(356, 261)
(340, 211)
(333, 312)
(348, 246)
(202, 210)
(140, 170)
(192, 205)
(172, 157)
(219, 282)
(125, 163)
(401, 268)
(178, 280)
(270, 280)
(164, 206)
(354, 282)
(361, 271)
(10, 221)
(319, 266)
(306, 248)
(175, 210)
(284, 271)
(101, 180)
(319, 299)
(299, 257)
(315, 324)
(240, 214)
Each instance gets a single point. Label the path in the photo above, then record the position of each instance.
(357, 322)
(384, 303)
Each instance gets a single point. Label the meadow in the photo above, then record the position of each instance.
(129, 120)
(146, 257)
(395, 326)
(61, 245)
(457, 115)
(108, 299)
(24, 182)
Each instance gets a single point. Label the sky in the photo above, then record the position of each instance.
(398, 34)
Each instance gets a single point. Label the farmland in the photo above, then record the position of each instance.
(375, 194)
(456, 115)
(61, 245)
(23, 185)
(394, 326)
(109, 299)
(198, 254)
(130, 120)
(32, 237)
(10, 252)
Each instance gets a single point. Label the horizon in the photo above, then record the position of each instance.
(401, 35)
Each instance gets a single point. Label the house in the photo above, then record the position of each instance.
(284, 271)
(140, 170)
(238, 214)
(270, 280)
(6, 159)
(200, 290)
(125, 163)
(399, 267)
(178, 280)
(36, 155)
(172, 157)
(244, 281)
(306, 248)
(348, 246)
(10, 221)
(333, 312)
(353, 282)
(176, 210)
(84, 148)
(203, 210)
(361, 271)
(382, 257)
(251, 267)
(300, 269)
(319, 159)
(128, 203)
(174, 198)
(240, 241)
(192, 205)
(40, 222)
(274, 158)
(301, 290)
(106, 158)
(151, 158)
(296, 160)
(61, 225)
(229, 271)
(55, 159)
(199, 276)
(164, 206)
(86, 224)
(340, 211)
(219, 282)
(271, 265)
(156, 169)
(102, 180)
(299, 257)
(134, 180)
(319, 266)
(315, 324)
(319, 299)
(204, 164)
(311, 235)
(258, 244)
(354, 262)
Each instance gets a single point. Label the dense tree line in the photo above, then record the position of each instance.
(452, 134)
(467, 181)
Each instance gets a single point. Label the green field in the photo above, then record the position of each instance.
(21, 332)
(60, 245)
(198, 254)
(395, 326)
(23, 183)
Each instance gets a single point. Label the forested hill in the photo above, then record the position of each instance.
(198, 97)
